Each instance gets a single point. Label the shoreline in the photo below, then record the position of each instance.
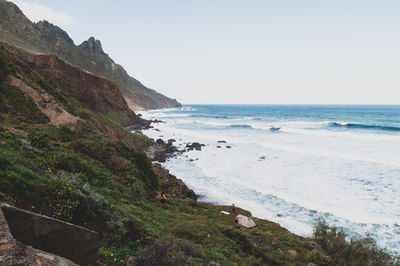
(160, 151)
(274, 211)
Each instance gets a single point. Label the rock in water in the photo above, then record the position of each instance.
(193, 146)
(245, 221)
(160, 142)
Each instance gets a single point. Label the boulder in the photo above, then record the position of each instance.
(160, 142)
(245, 221)
(194, 146)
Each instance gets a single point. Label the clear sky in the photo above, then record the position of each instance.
(237, 51)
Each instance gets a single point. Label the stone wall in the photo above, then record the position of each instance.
(47, 234)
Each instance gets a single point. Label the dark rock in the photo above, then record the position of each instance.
(219, 147)
(228, 147)
(221, 141)
(92, 46)
(262, 157)
(193, 146)
(162, 158)
(171, 149)
(171, 141)
(160, 142)
(157, 121)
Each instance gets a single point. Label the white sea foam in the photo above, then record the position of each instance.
(293, 176)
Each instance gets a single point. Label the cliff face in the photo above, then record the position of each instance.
(44, 37)
(98, 94)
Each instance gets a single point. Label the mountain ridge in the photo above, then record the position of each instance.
(45, 38)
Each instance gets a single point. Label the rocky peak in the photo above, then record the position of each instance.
(93, 46)
(47, 28)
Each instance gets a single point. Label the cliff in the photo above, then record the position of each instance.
(45, 38)
(95, 93)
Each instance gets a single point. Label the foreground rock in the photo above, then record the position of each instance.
(244, 221)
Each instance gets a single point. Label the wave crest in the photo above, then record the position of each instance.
(363, 126)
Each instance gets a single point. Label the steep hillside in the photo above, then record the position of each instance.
(94, 93)
(44, 38)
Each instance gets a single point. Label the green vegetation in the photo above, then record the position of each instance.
(363, 251)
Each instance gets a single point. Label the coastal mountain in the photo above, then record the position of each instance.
(65, 153)
(45, 38)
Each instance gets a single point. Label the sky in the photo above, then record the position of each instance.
(244, 52)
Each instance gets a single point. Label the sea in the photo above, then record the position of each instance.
(293, 164)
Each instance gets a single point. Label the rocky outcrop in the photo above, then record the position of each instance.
(53, 33)
(172, 185)
(93, 46)
(20, 228)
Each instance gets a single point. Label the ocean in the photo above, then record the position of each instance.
(292, 164)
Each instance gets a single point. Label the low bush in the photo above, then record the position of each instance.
(162, 253)
(362, 251)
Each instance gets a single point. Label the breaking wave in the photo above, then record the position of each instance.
(363, 126)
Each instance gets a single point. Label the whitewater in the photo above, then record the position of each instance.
(293, 164)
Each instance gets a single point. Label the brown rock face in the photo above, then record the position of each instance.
(98, 94)
(46, 234)
(46, 104)
(95, 93)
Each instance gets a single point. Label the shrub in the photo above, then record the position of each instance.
(113, 256)
(63, 196)
(90, 170)
(363, 251)
(187, 247)
(162, 253)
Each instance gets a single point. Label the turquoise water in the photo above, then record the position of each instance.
(294, 163)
